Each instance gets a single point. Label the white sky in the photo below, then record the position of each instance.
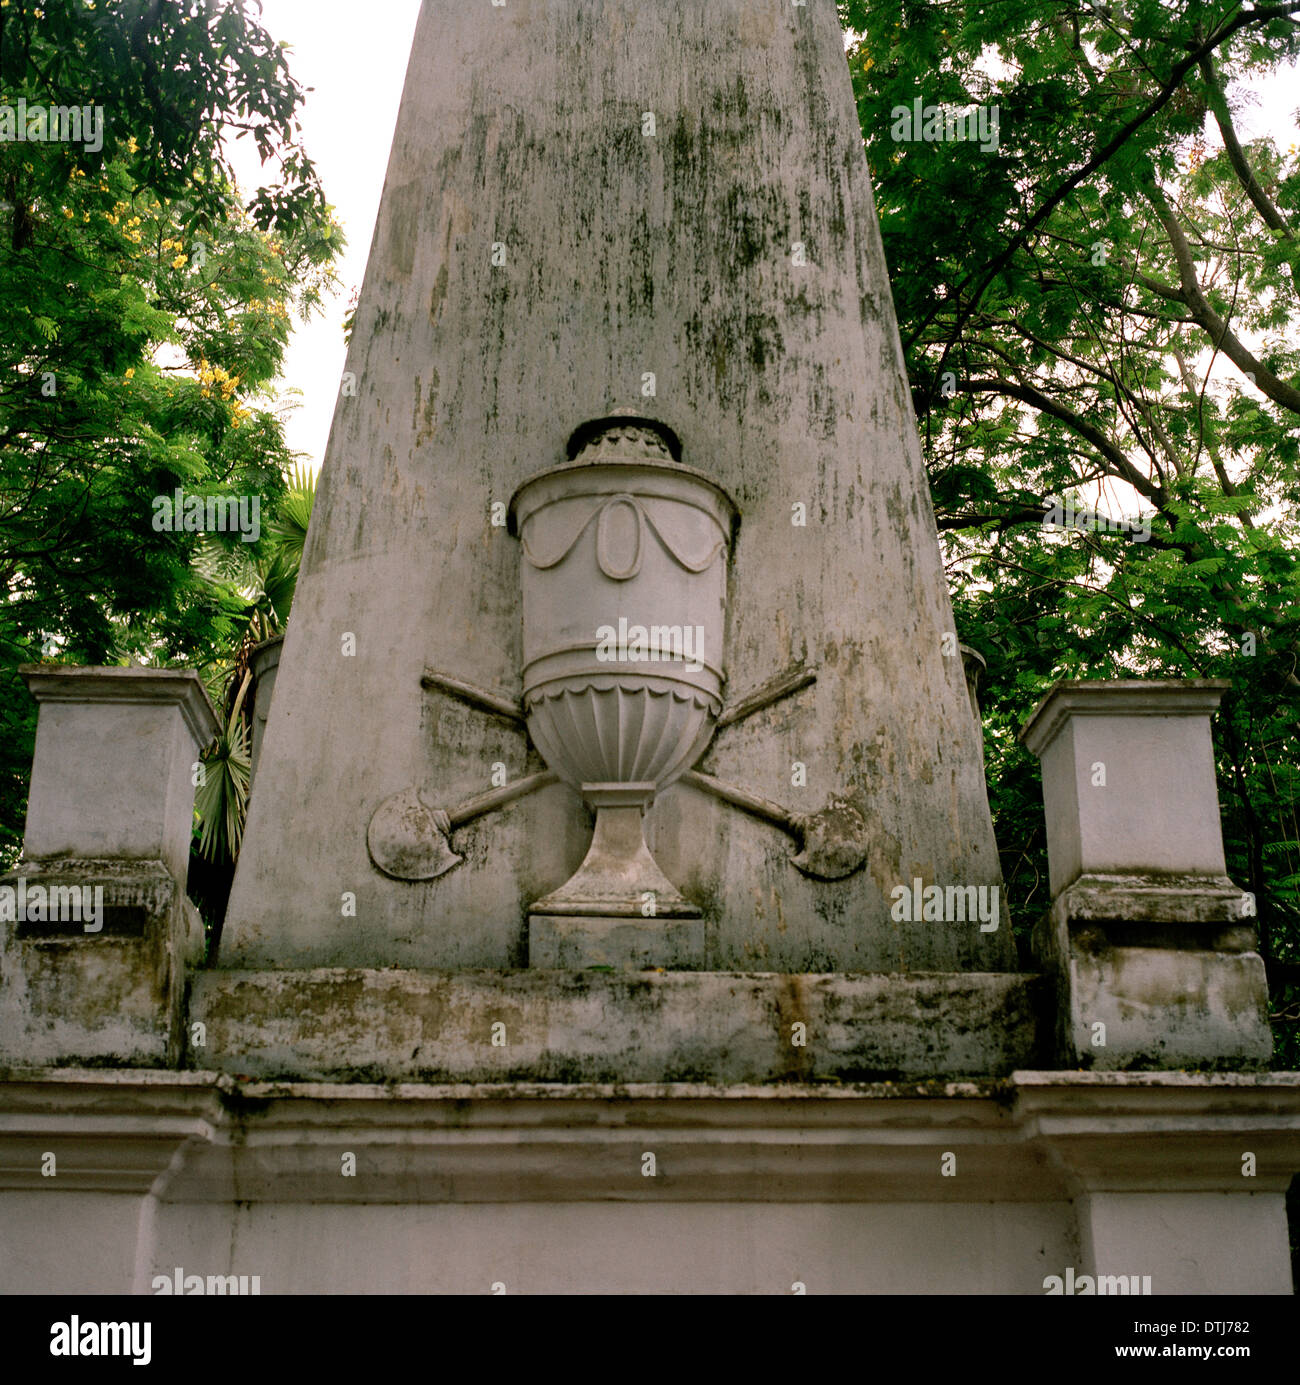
(357, 67)
(356, 64)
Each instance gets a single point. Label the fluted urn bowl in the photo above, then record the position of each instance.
(624, 579)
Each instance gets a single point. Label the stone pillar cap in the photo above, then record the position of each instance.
(178, 687)
(263, 645)
(1127, 697)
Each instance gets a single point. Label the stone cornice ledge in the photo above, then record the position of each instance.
(205, 1137)
(1128, 697)
(159, 687)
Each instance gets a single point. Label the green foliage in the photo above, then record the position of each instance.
(1103, 309)
(144, 315)
(221, 800)
(179, 77)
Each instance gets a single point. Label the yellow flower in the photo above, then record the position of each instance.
(132, 145)
(130, 372)
(180, 260)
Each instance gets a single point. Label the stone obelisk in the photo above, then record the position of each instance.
(605, 214)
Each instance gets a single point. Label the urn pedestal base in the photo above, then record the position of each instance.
(618, 877)
(557, 942)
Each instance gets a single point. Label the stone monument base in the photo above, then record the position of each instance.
(610, 1026)
(1112, 1183)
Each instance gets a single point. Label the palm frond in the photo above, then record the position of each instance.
(221, 802)
(292, 516)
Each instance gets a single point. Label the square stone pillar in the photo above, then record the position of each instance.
(1178, 1180)
(113, 774)
(96, 931)
(1227, 1241)
(1153, 948)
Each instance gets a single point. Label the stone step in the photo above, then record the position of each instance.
(331, 1024)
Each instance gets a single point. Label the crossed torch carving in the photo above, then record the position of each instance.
(410, 840)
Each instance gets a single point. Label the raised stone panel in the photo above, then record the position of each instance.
(1193, 1243)
(328, 1025)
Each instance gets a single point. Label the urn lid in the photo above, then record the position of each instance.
(618, 454)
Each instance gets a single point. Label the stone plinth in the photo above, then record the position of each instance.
(1152, 947)
(96, 933)
(112, 777)
(106, 989)
(612, 1026)
(972, 1187)
(1128, 778)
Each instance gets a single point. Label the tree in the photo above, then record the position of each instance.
(178, 78)
(144, 313)
(1098, 314)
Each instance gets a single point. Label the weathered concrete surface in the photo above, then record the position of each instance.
(544, 1188)
(557, 943)
(1117, 1230)
(1163, 1008)
(597, 1026)
(1164, 964)
(625, 254)
(116, 995)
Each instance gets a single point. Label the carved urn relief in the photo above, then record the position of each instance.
(624, 582)
(624, 585)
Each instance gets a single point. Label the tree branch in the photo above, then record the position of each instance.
(1272, 217)
(1046, 404)
(1279, 391)
(1103, 155)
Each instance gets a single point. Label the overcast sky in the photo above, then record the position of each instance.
(354, 57)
